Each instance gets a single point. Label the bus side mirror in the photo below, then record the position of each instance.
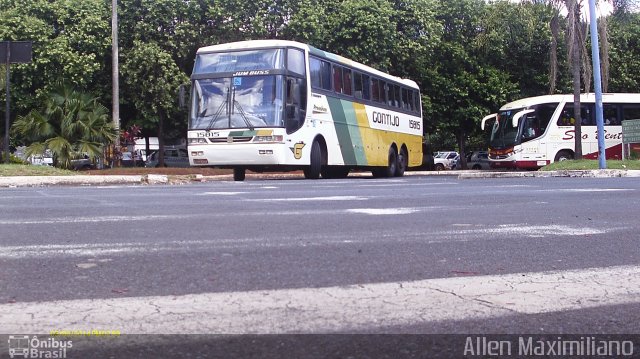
(486, 118)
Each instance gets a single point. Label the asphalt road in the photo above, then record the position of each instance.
(90, 247)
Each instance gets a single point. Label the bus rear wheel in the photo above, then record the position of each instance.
(392, 164)
(238, 174)
(402, 163)
(315, 162)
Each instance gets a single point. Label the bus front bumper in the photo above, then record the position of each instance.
(240, 154)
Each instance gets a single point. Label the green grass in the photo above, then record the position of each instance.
(30, 170)
(592, 165)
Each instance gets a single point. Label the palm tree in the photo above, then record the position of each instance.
(71, 125)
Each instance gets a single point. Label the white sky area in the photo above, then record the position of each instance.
(603, 7)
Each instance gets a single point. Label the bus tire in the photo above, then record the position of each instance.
(238, 174)
(564, 155)
(315, 162)
(401, 166)
(392, 163)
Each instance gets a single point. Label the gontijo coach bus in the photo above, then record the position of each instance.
(536, 131)
(282, 105)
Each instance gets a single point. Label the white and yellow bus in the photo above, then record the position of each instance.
(535, 131)
(273, 105)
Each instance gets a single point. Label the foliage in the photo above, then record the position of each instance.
(7, 170)
(468, 56)
(70, 124)
(591, 165)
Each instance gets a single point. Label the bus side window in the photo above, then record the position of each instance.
(375, 90)
(610, 115)
(337, 79)
(630, 112)
(296, 104)
(346, 83)
(357, 85)
(366, 87)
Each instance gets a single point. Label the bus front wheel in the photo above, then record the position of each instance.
(564, 156)
(315, 162)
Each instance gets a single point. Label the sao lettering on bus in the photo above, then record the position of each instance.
(570, 135)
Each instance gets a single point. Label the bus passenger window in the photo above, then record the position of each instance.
(610, 115)
(630, 112)
(391, 95)
(366, 87)
(396, 96)
(315, 68)
(337, 79)
(375, 90)
(405, 99)
(383, 92)
(346, 83)
(357, 84)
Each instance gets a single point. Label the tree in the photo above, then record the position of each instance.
(465, 86)
(70, 124)
(153, 80)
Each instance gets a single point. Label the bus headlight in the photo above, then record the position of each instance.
(263, 139)
(194, 141)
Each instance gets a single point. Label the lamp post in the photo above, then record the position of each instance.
(595, 54)
(114, 70)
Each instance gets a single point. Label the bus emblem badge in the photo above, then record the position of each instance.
(297, 150)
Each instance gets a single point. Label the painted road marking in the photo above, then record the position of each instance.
(335, 309)
(458, 233)
(328, 198)
(383, 211)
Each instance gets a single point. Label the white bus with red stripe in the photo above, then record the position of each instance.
(535, 131)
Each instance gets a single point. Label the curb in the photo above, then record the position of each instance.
(37, 181)
(546, 174)
(154, 179)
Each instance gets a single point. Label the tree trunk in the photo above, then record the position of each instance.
(553, 53)
(161, 139)
(463, 157)
(575, 55)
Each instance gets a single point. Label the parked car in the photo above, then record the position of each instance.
(476, 160)
(444, 160)
(173, 157)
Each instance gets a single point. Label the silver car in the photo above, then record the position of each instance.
(173, 157)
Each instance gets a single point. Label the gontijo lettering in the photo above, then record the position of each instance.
(386, 119)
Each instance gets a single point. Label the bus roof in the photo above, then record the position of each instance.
(252, 44)
(585, 97)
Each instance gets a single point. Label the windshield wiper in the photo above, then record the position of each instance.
(241, 110)
(216, 116)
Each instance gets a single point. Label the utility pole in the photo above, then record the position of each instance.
(595, 54)
(12, 52)
(8, 106)
(114, 72)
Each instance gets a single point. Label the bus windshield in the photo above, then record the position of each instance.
(237, 102)
(503, 134)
